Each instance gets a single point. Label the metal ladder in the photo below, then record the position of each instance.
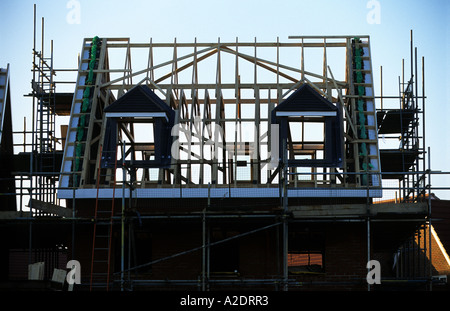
(44, 90)
(45, 143)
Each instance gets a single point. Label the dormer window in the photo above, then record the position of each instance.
(146, 121)
(312, 128)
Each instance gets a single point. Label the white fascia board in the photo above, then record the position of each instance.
(171, 193)
(136, 115)
(306, 113)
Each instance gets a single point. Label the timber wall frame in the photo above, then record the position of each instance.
(230, 85)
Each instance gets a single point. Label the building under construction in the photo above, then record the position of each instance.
(221, 165)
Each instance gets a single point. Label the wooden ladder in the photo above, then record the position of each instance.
(102, 231)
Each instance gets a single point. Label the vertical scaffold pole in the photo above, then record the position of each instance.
(430, 266)
(204, 253)
(368, 234)
(285, 220)
(122, 218)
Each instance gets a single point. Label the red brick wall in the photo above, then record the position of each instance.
(346, 256)
(344, 259)
(183, 267)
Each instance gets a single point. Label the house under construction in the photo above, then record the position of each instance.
(207, 166)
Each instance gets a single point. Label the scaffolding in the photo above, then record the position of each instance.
(34, 171)
(405, 122)
(38, 154)
(360, 171)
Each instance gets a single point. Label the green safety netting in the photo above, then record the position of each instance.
(358, 52)
(85, 107)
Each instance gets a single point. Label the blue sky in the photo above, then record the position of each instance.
(246, 19)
